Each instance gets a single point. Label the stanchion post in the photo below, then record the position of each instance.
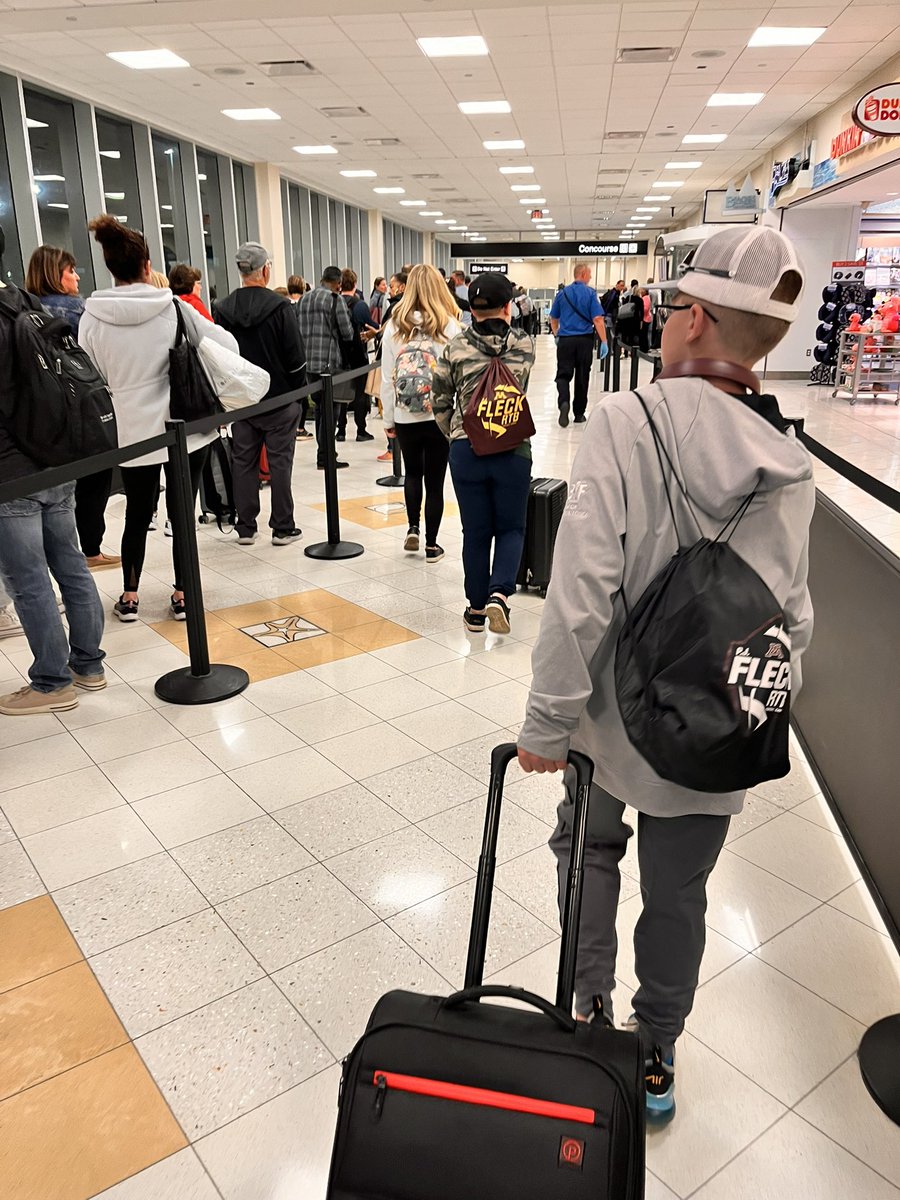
(202, 682)
(635, 364)
(396, 478)
(607, 362)
(334, 548)
(616, 366)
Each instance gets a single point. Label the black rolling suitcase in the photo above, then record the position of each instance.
(446, 1098)
(546, 504)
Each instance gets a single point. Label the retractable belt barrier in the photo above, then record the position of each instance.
(204, 682)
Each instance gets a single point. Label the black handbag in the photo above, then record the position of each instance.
(191, 395)
(447, 1098)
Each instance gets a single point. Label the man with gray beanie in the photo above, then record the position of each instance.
(267, 334)
(324, 320)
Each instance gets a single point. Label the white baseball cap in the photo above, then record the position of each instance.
(740, 268)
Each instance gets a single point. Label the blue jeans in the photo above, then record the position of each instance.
(37, 535)
(492, 490)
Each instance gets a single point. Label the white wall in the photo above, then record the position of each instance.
(820, 235)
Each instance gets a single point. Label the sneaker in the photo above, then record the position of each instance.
(411, 545)
(580, 420)
(284, 537)
(498, 614)
(659, 1077)
(126, 610)
(99, 562)
(473, 621)
(365, 437)
(177, 609)
(27, 702)
(152, 527)
(341, 437)
(564, 416)
(340, 465)
(247, 539)
(167, 530)
(10, 625)
(388, 456)
(434, 554)
(89, 683)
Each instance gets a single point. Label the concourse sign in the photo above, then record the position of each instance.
(583, 249)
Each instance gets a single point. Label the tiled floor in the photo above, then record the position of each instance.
(199, 906)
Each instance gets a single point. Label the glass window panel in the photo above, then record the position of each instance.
(240, 200)
(322, 247)
(11, 269)
(56, 173)
(118, 170)
(213, 224)
(167, 167)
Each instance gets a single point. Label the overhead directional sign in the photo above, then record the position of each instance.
(547, 249)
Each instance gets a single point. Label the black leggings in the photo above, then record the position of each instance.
(141, 486)
(91, 497)
(425, 452)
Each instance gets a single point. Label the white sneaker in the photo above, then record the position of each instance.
(10, 625)
(247, 539)
(168, 529)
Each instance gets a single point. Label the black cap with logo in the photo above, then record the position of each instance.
(489, 291)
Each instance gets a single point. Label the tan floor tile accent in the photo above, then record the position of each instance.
(84, 1130)
(35, 941)
(53, 1024)
(359, 511)
(315, 600)
(317, 651)
(176, 631)
(252, 614)
(335, 620)
(378, 635)
(263, 664)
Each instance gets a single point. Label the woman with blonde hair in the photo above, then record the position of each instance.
(414, 337)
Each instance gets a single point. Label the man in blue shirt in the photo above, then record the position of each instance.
(575, 316)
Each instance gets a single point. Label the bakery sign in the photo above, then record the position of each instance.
(877, 113)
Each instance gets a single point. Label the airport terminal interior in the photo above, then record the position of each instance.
(200, 904)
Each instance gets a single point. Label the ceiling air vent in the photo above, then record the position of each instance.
(427, 175)
(624, 135)
(641, 55)
(382, 141)
(612, 170)
(343, 112)
(289, 68)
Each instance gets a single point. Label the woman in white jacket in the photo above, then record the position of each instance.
(128, 331)
(414, 337)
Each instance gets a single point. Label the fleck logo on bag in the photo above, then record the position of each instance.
(759, 669)
(497, 417)
(571, 1153)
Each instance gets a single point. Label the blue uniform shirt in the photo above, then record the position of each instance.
(575, 308)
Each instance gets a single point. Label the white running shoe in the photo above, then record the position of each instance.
(10, 625)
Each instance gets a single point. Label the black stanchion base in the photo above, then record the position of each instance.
(222, 682)
(334, 550)
(879, 1060)
(391, 481)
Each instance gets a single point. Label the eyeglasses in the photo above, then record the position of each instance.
(664, 311)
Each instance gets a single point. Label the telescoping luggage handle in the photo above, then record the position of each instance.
(481, 915)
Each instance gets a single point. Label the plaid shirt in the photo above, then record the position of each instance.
(324, 318)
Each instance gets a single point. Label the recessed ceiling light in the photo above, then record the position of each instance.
(413, 203)
(148, 60)
(534, 200)
(49, 178)
(251, 114)
(517, 170)
(110, 153)
(646, 210)
(30, 123)
(360, 174)
(436, 212)
(475, 108)
(114, 195)
(513, 144)
(703, 139)
(668, 183)
(525, 187)
(682, 166)
(458, 228)
(315, 149)
(452, 221)
(786, 35)
(389, 191)
(453, 47)
(734, 99)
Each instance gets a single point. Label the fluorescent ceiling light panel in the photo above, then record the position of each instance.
(517, 170)
(786, 35)
(30, 123)
(114, 195)
(453, 47)
(148, 60)
(49, 178)
(57, 206)
(734, 99)
(389, 191)
(452, 221)
(251, 114)
(413, 203)
(525, 187)
(110, 153)
(703, 139)
(458, 228)
(476, 108)
(315, 149)
(166, 207)
(360, 174)
(512, 144)
(167, 226)
(434, 212)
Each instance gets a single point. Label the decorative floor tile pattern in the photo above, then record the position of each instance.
(246, 878)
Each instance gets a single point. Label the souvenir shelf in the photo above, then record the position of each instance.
(868, 364)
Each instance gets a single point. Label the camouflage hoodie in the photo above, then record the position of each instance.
(464, 361)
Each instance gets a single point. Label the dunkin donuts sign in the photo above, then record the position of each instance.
(878, 112)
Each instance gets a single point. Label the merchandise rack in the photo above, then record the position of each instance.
(875, 371)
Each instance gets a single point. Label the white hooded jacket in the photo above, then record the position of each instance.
(128, 331)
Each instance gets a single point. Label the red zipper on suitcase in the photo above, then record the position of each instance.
(386, 1080)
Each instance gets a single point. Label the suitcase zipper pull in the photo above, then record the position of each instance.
(380, 1094)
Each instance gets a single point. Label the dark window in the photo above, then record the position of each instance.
(168, 169)
(213, 226)
(11, 261)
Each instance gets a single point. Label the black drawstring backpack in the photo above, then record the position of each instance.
(703, 663)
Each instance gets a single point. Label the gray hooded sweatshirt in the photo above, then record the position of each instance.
(617, 531)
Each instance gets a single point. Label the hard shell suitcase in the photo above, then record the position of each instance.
(447, 1098)
(546, 504)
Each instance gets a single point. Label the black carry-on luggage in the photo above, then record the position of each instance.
(216, 486)
(546, 504)
(446, 1098)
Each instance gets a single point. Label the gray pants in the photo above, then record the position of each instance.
(277, 431)
(676, 856)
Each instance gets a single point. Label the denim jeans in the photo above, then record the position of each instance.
(492, 490)
(38, 534)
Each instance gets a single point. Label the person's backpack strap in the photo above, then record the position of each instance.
(574, 307)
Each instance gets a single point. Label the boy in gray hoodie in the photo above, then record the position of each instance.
(734, 302)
